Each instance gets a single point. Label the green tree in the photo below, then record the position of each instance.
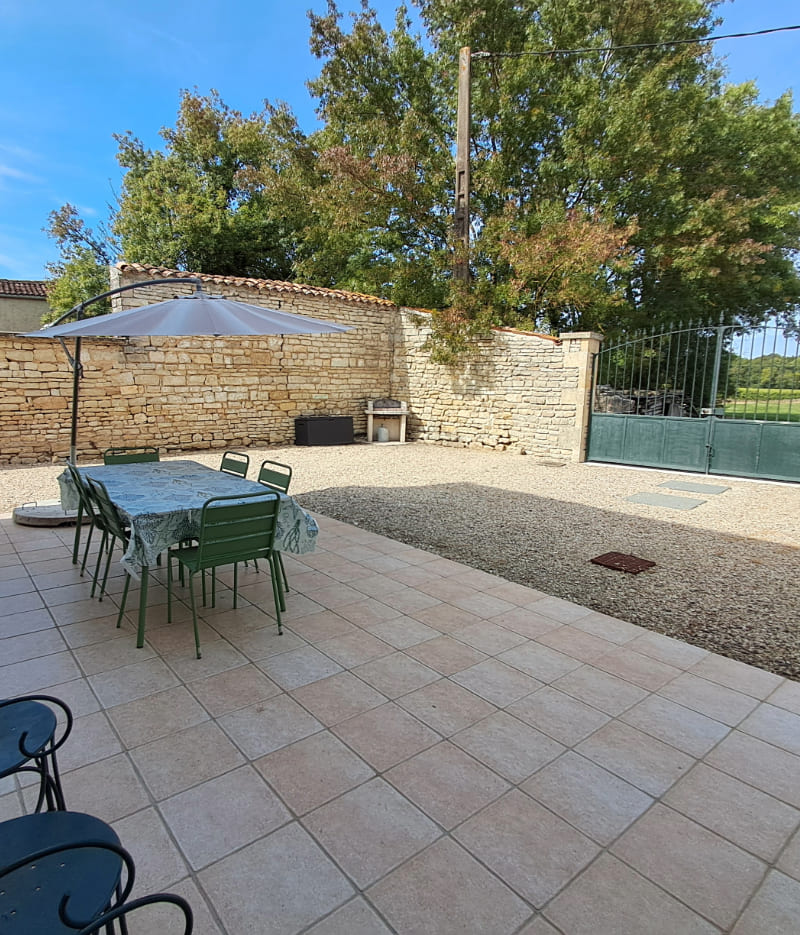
(81, 272)
(201, 204)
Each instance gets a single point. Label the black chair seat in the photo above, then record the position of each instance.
(28, 726)
(85, 867)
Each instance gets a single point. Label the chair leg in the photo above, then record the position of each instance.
(194, 615)
(77, 543)
(283, 571)
(235, 582)
(278, 598)
(108, 567)
(169, 586)
(86, 548)
(103, 543)
(124, 599)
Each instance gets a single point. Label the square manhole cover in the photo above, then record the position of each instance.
(622, 562)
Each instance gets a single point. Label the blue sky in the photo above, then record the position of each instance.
(72, 74)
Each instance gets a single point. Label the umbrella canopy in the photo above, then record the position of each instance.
(196, 315)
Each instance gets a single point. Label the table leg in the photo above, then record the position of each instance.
(142, 606)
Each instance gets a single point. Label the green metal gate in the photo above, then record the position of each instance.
(718, 400)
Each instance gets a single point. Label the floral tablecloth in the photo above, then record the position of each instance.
(163, 500)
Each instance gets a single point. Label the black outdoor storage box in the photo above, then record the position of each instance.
(323, 430)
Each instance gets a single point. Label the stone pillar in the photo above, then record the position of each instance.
(580, 349)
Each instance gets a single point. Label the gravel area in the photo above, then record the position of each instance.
(727, 574)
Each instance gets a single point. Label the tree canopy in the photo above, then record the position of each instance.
(626, 185)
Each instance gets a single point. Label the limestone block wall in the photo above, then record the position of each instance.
(523, 392)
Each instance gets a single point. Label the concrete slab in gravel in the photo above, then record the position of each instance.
(664, 499)
(693, 487)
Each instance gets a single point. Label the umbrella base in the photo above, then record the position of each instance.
(45, 514)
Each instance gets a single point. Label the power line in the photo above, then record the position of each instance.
(638, 45)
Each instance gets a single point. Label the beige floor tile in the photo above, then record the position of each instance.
(482, 604)
(446, 891)
(559, 715)
(108, 789)
(23, 585)
(734, 674)
(558, 609)
(29, 622)
(402, 632)
(513, 834)
(787, 695)
(31, 645)
(386, 735)
(666, 649)
(488, 637)
(313, 771)
(600, 689)
(112, 653)
(760, 764)
(217, 817)
(133, 681)
(371, 830)
(155, 716)
(158, 862)
(408, 600)
(186, 758)
(446, 707)
(445, 617)
(92, 739)
(539, 661)
(526, 622)
(709, 698)
(96, 631)
(640, 759)
(167, 920)
(576, 643)
(217, 656)
(685, 729)
(376, 586)
(279, 884)
(641, 670)
(446, 783)
(233, 689)
(369, 612)
(539, 926)
(514, 593)
(612, 899)
(177, 638)
(354, 649)
(774, 725)
(789, 860)
(338, 698)
(20, 603)
(608, 628)
(299, 667)
(33, 675)
(268, 725)
(260, 644)
(708, 873)
(336, 595)
(497, 682)
(66, 594)
(323, 626)
(509, 746)
(445, 655)
(774, 909)
(356, 918)
(736, 811)
(396, 674)
(86, 609)
(590, 798)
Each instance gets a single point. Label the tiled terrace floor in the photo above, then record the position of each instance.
(427, 749)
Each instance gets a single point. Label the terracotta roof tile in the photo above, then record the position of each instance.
(273, 285)
(23, 288)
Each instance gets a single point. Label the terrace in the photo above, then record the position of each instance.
(427, 749)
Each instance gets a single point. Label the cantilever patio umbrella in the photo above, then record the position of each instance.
(186, 316)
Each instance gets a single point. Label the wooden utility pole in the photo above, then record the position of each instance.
(461, 267)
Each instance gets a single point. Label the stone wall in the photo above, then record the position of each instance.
(524, 392)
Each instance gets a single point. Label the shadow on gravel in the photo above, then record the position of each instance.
(728, 594)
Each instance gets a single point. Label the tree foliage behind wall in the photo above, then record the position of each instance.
(616, 188)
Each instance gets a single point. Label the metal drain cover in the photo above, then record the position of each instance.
(622, 562)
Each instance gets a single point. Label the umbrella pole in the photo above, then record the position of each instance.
(76, 382)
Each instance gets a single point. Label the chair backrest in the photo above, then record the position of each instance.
(275, 475)
(235, 463)
(134, 904)
(237, 528)
(107, 512)
(84, 494)
(130, 455)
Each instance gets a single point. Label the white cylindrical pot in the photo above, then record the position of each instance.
(383, 433)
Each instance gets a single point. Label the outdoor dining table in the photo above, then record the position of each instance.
(163, 501)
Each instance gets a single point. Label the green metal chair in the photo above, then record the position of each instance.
(235, 463)
(114, 530)
(276, 476)
(233, 529)
(85, 508)
(130, 455)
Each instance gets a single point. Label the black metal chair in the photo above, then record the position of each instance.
(232, 529)
(131, 455)
(28, 743)
(119, 914)
(233, 462)
(59, 872)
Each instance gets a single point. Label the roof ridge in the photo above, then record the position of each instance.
(274, 285)
(25, 288)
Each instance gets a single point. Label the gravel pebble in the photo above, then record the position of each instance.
(726, 575)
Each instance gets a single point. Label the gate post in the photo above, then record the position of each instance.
(579, 349)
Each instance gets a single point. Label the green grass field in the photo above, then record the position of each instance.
(785, 409)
